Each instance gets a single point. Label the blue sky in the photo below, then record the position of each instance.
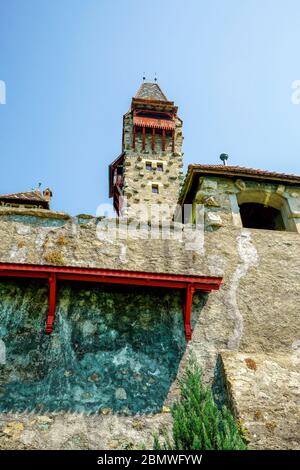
(72, 66)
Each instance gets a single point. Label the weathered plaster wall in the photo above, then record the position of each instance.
(260, 293)
(256, 310)
(265, 395)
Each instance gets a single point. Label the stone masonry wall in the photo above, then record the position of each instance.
(265, 395)
(221, 197)
(139, 180)
(260, 270)
(256, 310)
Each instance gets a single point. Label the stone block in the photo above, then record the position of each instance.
(209, 184)
(213, 219)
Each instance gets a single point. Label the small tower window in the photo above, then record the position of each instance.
(159, 167)
(155, 188)
(148, 166)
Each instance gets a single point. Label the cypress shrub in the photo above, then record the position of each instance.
(198, 424)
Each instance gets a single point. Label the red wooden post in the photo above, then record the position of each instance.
(153, 139)
(144, 137)
(163, 140)
(52, 303)
(187, 311)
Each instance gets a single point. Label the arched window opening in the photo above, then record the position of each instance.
(265, 209)
(256, 215)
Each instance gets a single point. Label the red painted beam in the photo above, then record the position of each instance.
(120, 280)
(25, 274)
(38, 268)
(110, 276)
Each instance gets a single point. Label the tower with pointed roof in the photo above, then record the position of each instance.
(149, 169)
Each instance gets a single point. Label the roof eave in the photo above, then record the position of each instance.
(240, 173)
(194, 169)
(152, 102)
(44, 203)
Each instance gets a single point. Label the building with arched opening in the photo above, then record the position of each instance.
(99, 316)
(243, 197)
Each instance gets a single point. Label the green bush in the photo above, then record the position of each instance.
(197, 421)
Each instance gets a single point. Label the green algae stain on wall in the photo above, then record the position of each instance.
(112, 347)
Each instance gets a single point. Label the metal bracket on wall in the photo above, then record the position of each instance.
(187, 311)
(63, 273)
(52, 303)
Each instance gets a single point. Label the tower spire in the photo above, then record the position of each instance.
(149, 169)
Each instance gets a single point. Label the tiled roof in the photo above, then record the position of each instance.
(30, 197)
(150, 91)
(227, 170)
(235, 172)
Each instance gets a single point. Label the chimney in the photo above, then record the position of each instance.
(47, 193)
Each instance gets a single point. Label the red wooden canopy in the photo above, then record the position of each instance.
(58, 273)
(153, 123)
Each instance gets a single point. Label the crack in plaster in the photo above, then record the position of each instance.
(249, 258)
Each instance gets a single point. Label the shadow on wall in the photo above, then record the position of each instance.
(219, 388)
(112, 347)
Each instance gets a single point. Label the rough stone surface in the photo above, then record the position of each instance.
(71, 431)
(264, 391)
(256, 311)
(221, 196)
(113, 347)
(138, 179)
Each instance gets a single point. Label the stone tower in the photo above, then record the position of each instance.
(149, 170)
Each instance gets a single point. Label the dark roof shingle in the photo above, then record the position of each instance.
(29, 196)
(150, 91)
(229, 170)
